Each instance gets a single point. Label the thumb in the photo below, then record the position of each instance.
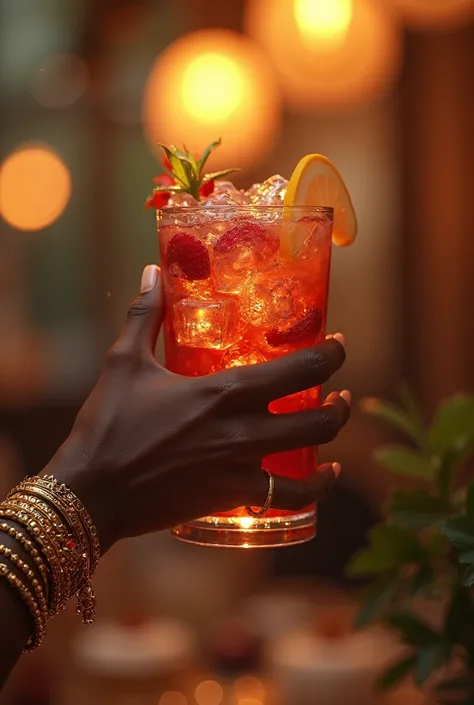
(145, 315)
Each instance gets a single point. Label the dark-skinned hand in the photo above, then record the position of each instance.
(151, 449)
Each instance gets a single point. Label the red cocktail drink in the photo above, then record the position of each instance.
(245, 284)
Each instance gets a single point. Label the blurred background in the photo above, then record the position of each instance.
(87, 89)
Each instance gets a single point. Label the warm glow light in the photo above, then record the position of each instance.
(35, 187)
(249, 689)
(245, 522)
(323, 21)
(436, 14)
(208, 693)
(212, 87)
(364, 58)
(172, 697)
(210, 84)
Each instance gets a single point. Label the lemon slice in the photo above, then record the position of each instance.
(317, 182)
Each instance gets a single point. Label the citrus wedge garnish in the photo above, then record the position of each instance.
(317, 182)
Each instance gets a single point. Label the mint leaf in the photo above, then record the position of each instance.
(396, 673)
(404, 461)
(417, 509)
(377, 600)
(181, 167)
(390, 547)
(394, 416)
(453, 427)
(413, 630)
(217, 175)
(205, 155)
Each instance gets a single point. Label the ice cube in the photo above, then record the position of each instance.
(271, 192)
(244, 353)
(220, 199)
(272, 301)
(244, 250)
(181, 199)
(206, 323)
(318, 233)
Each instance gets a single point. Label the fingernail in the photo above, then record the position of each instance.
(148, 278)
(336, 469)
(346, 395)
(340, 339)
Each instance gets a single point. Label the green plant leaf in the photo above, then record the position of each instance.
(422, 581)
(468, 577)
(460, 532)
(377, 599)
(395, 417)
(460, 612)
(217, 175)
(205, 155)
(182, 168)
(413, 630)
(404, 461)
(453, 427)
(390, 547)
(417, 509)
(430, 659)
(396, 673)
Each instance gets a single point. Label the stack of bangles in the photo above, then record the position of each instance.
(59, 539)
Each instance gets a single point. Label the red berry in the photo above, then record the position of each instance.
(187, 258)
(164, 180)
(207, 188)
(248, 234)
(158, 200)
(303, 331)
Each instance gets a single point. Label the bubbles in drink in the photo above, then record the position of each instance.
(205, 323)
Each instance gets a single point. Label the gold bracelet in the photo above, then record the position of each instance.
(32, 551)
(39, 623)
(57, 585)
(80, 523)
(29, 573)
(73, 559)
(57, 536)
(65, 500)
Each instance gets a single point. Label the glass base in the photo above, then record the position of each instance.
(246, 532)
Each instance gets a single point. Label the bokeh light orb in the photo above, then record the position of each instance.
(35, 187)
(328, 55)
(210, 84)
(432, 14)
(60, 81)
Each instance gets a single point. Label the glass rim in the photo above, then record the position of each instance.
(171, 210)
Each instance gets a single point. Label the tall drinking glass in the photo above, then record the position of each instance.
(243, 285)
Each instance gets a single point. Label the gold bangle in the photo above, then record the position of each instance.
(74, 557)
(29, 574)
(78, 519)
(36, 532)
(32, 551)
(39, 623)
(65, 500)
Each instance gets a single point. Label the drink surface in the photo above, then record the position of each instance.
(244, 285)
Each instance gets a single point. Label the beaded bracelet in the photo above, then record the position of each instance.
(39, 622)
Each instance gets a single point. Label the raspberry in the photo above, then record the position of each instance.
(188, 258)
(157, 200)
(248, 234)
(164, 180)
(303, 331)
(207, 188)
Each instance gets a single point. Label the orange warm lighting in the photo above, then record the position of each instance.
(437, 14)
(35, 187)
(323, 21)
(329, 54)
(173, 697)
(209, 84)
(209, 693)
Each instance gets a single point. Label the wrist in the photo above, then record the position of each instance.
(72, 466)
